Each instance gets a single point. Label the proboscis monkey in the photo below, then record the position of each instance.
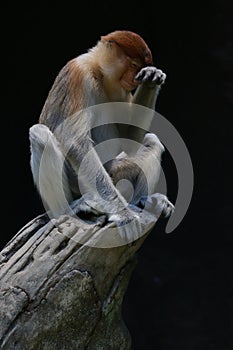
(118, 69)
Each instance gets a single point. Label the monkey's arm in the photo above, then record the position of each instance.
(151, 80)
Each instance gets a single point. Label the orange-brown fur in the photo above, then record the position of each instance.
(132, 44)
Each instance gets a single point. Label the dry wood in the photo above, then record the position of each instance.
(63, 283)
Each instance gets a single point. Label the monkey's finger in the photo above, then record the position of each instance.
(149, 75)
(140, 75)
(159, 77)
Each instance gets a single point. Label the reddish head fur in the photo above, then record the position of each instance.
(132, 44)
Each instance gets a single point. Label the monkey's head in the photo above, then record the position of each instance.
(127, 55)
(131, 44)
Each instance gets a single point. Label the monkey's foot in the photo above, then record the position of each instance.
(128, 225)
(87, 205)
(157, 204)
(87, 213)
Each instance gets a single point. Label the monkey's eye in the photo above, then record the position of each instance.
(134, 65)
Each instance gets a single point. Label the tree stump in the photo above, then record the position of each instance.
(63, 282)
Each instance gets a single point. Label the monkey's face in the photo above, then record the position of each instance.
(127, 80)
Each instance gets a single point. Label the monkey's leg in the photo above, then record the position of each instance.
(125, 170)
(141, 170)
(48, 170)
(149, 156)
(47, 160)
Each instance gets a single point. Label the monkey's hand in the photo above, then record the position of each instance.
(151, 76)
(128, 224)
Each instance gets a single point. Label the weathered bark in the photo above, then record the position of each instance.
(63, 283)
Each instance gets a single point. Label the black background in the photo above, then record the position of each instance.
(181, 293)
